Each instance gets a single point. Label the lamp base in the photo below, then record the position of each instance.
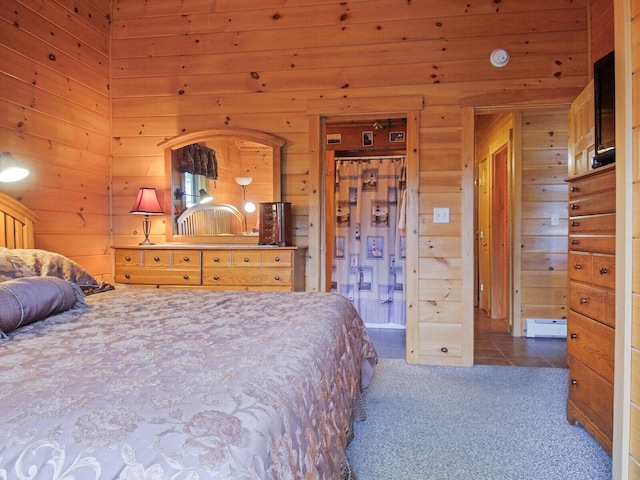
(146, 229)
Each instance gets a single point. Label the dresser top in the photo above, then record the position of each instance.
(195, 246)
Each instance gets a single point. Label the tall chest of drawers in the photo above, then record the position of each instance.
(591, 320)
(212, 267)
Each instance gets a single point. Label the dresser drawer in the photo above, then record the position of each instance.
(587, 300)
(128, 257)
(599, 182)
(247, 276)
(277, 259)
(592, 205)
(604, 270)
(604, 224)
(246, 258)
(156, 258)
(593, 243)
(592, 343)
(185, 258)
(159, 276)
(220, 258)
(580, 266)
(592, 395)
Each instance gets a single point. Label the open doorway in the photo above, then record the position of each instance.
(365, 165)
(521, 159)
(493, 247)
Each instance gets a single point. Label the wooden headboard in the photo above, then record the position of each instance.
(16, 223)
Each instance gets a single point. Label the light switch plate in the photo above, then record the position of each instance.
(441, 215)
(555, 219)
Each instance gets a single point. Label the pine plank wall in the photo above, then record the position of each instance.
(89, 106)
(88, 88)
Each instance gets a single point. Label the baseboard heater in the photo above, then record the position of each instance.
(547, 327)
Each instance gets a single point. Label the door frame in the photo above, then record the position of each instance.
(408, 107)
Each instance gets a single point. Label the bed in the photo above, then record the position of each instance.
(139, 383)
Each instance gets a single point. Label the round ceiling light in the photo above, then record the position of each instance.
(499, 57)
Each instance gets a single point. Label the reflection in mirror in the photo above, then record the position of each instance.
(216, 165)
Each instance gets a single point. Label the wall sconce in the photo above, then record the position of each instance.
(247, 207)
(205, 197)
(11, 170)
(147, 204)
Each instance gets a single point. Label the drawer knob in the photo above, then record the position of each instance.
(577, 266)
(277, 259)
(603, 271)
(575, 207)
(127, 258)
(575, 189)
(574, 382)
(186, 277)
(127, 276)
(444, 349)
(246, 259)
(574, 336)
(574, 242)
(575, 224)
(583, 300)
(216, 259)
(186, 259)
(277, 277)
(157, 259)
(216, 277)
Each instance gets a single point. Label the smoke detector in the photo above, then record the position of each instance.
(499, 57)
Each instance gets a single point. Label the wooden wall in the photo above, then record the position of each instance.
(601, 28)
(182, 67)
(54, 99)
(544, 193)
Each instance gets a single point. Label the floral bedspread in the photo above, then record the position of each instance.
(152, 384)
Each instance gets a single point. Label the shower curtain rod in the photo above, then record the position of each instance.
(378, 157)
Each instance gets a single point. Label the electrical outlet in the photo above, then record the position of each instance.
(555, 219)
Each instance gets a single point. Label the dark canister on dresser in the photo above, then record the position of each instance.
(275, 224)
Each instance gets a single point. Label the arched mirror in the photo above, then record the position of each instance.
(216, 179)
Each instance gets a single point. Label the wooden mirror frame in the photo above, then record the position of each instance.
(276, 144)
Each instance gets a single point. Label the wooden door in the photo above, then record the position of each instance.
(484, 236)
(499, 225)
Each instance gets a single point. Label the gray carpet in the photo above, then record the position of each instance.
(482, 422)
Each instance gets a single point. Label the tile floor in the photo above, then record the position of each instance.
(493, 346)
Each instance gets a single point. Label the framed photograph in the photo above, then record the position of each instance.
(367, 139)
(334, 138)
(396, 137)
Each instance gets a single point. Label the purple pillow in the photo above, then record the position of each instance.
(27, 300)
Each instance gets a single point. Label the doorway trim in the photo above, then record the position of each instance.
(408, 107)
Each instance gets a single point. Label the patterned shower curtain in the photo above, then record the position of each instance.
(370, 243)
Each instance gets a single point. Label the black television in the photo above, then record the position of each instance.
(604, 83)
